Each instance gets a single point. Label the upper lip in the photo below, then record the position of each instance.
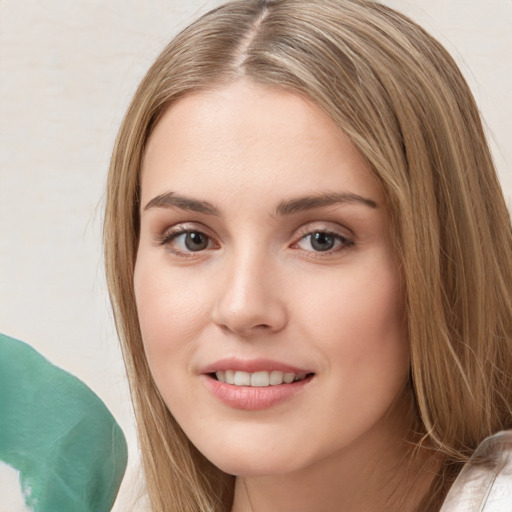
(251, 366)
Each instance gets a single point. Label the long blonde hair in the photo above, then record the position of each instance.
(402, 101)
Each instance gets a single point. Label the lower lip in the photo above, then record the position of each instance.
(251, 398)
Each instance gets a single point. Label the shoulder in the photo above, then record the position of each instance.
(485, 482)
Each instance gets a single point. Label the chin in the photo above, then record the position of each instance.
(256, 459)
(253, 466)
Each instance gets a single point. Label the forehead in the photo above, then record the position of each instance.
(248, 135)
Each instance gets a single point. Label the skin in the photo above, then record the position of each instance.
(260, 289)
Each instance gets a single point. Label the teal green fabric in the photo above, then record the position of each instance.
(69, 450)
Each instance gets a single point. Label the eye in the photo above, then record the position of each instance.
(323, 241)
(186, 241)
(192, 241)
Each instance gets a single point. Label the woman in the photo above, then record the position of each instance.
(310, 263)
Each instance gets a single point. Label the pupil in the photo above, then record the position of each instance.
(322, 241)
(196, 241)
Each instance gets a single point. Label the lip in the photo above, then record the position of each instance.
(251, 366)
(253, 398)
(250, 398)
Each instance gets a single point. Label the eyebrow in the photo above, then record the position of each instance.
(170, 199)
(320, 200)
(173, 200)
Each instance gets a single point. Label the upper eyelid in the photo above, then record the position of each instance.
(325, 226)
(170, 233)
(344, 239)
(184, 227)
(305, 229)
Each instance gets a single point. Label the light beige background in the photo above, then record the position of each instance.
(68, 71)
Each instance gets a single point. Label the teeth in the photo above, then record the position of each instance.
(242, 379)
(258, 379)
(276, 378)
(289, 377)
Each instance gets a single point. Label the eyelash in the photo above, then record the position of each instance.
(172, 234)
(343, 243)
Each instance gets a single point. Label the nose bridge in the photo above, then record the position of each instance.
(249, 299)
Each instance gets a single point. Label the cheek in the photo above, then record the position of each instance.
(169, 313)
(360, 328)
(362, 308)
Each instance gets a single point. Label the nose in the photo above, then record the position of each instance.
(249, 299)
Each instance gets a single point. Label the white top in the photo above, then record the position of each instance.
(485, 482)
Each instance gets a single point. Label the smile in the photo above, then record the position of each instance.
(258, 379)
(247, 385)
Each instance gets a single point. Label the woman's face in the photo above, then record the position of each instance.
(264, 258)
